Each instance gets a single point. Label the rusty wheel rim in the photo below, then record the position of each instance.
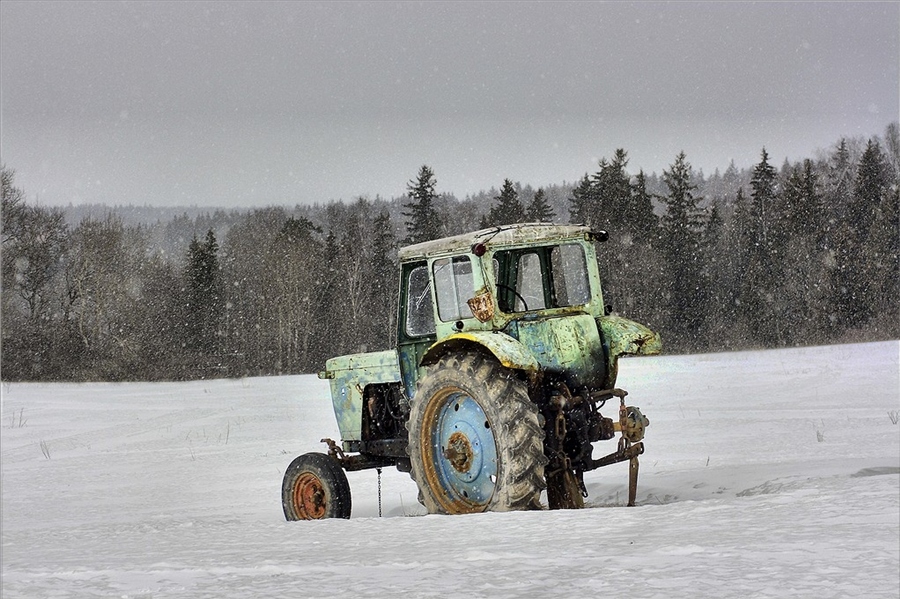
(309, 497)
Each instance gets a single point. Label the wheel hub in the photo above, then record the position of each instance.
(459, 451)
(309, 497)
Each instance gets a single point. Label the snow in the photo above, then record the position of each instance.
(767, 474)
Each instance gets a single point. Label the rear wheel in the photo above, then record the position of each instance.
(475, 443)
(315, 487)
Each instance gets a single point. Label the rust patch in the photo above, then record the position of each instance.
(459, 452)
(309, 497)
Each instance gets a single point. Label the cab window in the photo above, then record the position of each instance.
(553, 276)
(571, 285)
(419, 306)
(529, 283)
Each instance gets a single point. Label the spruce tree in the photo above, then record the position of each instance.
(802, 204)
(204, 304)
(681, 237)
(838, 186)
(612, 189)
(766, 265)
(539, 209)
(856, 258)
(872, 180)
(763, 194)
(423, 223)
(640, 220)
(582, 204)
(508, 209)
(713, 293)
(883, 254)
(329, 293)
(803, 288)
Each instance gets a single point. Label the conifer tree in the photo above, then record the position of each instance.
(582, 204)
(329, 290)
(883, 255)
(766, 257)
(507, 209)
(539, 209)
(713, 293)
(640, 220)
(613, 193)
(423, 222)
(763, 194)
(801, 203)
(855, 299)
(872, 180)
(204, 304)
(681, 236)
(837, 188)
(803, 288)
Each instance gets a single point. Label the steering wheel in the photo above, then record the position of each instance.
(516, 293)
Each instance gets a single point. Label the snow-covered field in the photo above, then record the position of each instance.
(767, 474)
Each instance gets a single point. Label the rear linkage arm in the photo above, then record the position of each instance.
(632, 424)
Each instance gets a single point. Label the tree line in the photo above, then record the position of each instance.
(807, 253)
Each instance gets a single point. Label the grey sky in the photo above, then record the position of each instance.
(249, 104)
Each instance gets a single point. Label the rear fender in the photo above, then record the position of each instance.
(508, 351)
(626, 338)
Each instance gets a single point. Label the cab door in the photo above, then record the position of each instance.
(416, 326)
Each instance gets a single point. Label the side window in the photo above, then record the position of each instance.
(570, 278)
(530, 283)
(453, 285)
(419, 307)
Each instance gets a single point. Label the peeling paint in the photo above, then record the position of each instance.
(569, 346)
(508, 351)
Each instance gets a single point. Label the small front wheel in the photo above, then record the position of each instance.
(315, 487)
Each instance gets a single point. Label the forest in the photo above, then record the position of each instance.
(805, 253)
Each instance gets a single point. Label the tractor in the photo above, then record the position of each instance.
(505, 355)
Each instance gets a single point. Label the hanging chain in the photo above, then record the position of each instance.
(379, 491)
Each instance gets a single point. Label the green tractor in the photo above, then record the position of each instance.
(505, 356)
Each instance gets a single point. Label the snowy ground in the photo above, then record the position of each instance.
(767, 474)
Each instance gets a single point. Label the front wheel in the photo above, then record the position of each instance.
(315, 487)
(475, 443)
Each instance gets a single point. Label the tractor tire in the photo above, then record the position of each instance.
(315, 487)
(475, 443)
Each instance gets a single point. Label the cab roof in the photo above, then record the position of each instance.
(505, 235)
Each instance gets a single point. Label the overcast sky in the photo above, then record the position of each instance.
(256, 103)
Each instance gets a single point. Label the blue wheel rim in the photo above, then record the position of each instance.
(465, 456)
